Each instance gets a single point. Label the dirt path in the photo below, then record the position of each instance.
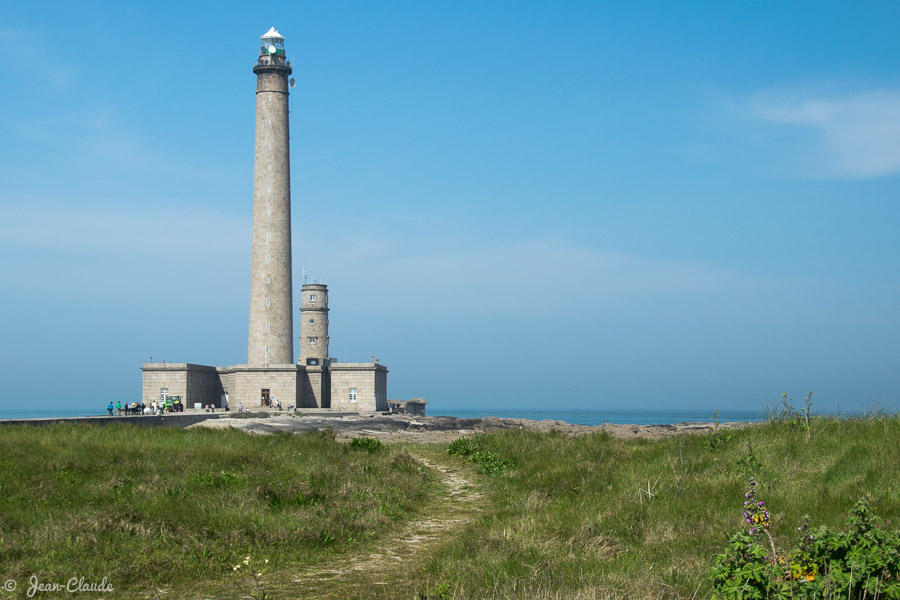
(363, 575)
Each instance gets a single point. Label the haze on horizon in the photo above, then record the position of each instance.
(537, 205)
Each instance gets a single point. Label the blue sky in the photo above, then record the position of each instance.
(514, 204)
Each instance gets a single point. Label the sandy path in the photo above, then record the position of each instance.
(399, 553)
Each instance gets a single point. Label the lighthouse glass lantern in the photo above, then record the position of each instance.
(272, 44)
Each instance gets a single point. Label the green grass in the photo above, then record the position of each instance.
(572, 518)
(177, 509)
(565, 517)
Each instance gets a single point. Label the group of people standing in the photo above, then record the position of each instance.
(139, 408)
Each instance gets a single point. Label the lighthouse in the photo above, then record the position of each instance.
(271, 335)
(271, 375)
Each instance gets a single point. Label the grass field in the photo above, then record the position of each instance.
(159, 508)
(170, 513)
(573, 518)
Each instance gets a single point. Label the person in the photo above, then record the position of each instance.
(110, 407)
(118, 408)
(240, 407)
(279, 405)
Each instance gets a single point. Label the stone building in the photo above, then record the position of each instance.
(270, 375)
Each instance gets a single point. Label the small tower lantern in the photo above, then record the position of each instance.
(272, 47)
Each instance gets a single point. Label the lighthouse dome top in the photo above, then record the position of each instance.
(271, 34)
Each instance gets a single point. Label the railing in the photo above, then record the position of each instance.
(268, 61)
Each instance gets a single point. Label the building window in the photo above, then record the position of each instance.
(268, 257)
(312, 361)
(268, 211)
(267, 326)
(268, 280)
(268, 303)
(267, 349)
(268, 188)
(163, 394)
(312, 321)
(268, 234)
(312, 297)
(270, 167)
(352, 394)
(312, 341)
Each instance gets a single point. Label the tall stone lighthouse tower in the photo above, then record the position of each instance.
(271, 326)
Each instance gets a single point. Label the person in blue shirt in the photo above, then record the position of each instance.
(110, 408)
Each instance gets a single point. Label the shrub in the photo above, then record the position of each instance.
(489, 463)
(461, 447)
(367, 444)
(862, 563)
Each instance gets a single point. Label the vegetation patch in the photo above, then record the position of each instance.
(489, 463)
(599, 517)
(178, 509)
(862, 563)
(367, 444)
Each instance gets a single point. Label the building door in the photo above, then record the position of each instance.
(265, 397)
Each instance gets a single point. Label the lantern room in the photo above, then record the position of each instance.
(272, 43)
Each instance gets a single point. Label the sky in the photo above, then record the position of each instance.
(541, 205)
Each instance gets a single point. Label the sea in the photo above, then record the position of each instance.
(575, 417)
(615, 416)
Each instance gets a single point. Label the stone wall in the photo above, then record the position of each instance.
(193, 383)
(369, 380)
(315, 388)
(246, 382)
(304, 387)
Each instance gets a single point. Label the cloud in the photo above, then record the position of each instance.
(854, 135)
(16, 42)
(440, 275)
(93, 249)
(122, 252)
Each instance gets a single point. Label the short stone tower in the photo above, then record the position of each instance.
(271, 338)
(314, 324)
